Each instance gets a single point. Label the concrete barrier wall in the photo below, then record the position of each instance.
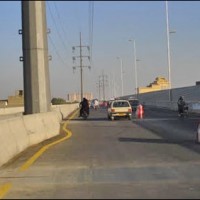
(42, 126)
(18, 133)
(161, 98)
(11, 144)
(65, 110)
(5, 111)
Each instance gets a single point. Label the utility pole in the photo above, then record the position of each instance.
(99, 88)
(81, 63)
(104, 80)
(114, 91)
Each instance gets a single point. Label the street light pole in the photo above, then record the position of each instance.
(135, 66)
(81, 68)
(121, 64)
(135, 60)
(114, 92)
(168, 50)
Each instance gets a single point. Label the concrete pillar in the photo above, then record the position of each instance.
(37, 96)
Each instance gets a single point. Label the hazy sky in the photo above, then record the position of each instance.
(114, 23)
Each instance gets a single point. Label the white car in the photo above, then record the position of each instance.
(118, 109)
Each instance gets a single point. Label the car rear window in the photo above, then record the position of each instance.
(121, 104)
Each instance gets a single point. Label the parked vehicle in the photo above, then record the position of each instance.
(103, 104)
(118, 109)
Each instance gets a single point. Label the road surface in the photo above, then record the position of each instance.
(153, 157)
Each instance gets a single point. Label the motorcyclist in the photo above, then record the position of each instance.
(96, 104)
(84, 106)
(181, 103)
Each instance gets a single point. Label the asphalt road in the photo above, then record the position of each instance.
(154, 157)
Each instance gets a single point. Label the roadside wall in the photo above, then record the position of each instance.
(161, 98)
(21, 132)
(64, 109)
(11, 110)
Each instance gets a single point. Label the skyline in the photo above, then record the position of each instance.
(114, 23)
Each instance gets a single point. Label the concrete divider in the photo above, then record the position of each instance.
(18, 133)
(11, 110)
(65, 110)
(13, 137)
(41, 126)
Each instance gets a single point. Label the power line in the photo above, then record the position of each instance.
(64, 32)
(57, 30)
(61, 59)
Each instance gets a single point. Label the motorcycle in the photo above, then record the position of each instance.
(84, 114)
(184, 111)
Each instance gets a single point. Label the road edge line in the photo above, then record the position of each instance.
(4, 189)
(31, 160)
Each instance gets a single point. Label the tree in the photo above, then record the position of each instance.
(57, 101)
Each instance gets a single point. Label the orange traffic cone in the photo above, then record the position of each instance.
(140, 111)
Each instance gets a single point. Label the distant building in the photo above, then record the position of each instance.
(3, 103)
(160, 83)
(17, 100)
(77, 96)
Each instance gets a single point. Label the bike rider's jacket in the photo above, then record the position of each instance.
(181, 102)
(85, 105)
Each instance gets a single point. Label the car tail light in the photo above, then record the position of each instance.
(129, 110)
(112, 110)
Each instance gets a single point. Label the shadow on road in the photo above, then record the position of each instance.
(159, 141)
(90, 119)
(190, 144)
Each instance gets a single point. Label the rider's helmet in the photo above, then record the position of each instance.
(181, 97)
